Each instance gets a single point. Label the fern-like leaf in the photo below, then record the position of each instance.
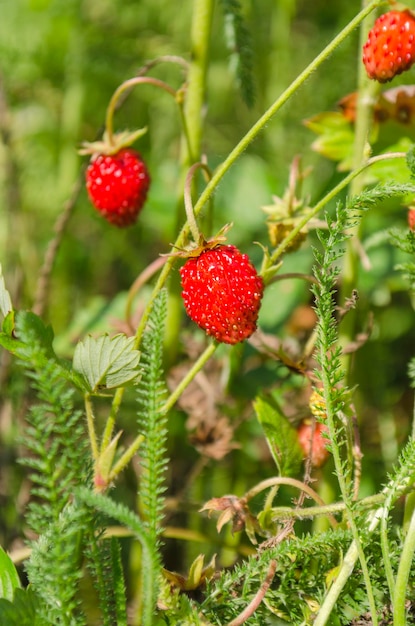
(152, 422)
(127, 518)
(55, 567)
(104, 561)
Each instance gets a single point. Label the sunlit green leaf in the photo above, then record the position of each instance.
(9, 578)
(106, 362)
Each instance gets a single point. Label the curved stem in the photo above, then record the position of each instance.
(188, 203)
(283, 480)
(126, 86)
(141, 280)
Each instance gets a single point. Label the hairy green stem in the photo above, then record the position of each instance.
(402, 577)
(346, 570)
(197, 366)
(277, 105)
(125, 458)
(325, 509)
(90, 420)
(242, 145)
(324, 201)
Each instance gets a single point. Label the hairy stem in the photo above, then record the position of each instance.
(402, 577)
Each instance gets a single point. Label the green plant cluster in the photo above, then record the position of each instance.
(153, 475)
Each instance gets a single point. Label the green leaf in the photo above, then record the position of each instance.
(336, 137)
(106, 362)
(22, 611)
(9, 578)
(281, 436)
(5, 299)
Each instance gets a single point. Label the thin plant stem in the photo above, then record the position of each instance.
(257, 599)
(264, 120)
(125, 87)
(327, 198)
(60, 226)
(188, 204)
(90, 420)
(346, 570)
(126, 457)
(402, 576)
(197, 366)
(239, 149)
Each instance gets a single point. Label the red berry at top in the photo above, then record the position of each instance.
(222, 293)
(117, 185)
(390, 47)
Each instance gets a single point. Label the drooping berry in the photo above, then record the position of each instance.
(117, 185)
(313, 442)
(390, 47)
(222, 293)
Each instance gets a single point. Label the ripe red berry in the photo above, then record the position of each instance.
(390, 47)
(117, 185)
(315, 447)
(411, 218)
(222, 293)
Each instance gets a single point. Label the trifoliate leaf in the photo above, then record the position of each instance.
(106, 362)
(9, 578)
(5, 300)
(281, 436)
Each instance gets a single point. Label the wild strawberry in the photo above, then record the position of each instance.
(315, 447)
(222, 293)
(390, 48)
(411, 218)
(117, 185)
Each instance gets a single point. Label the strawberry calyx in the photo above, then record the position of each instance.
(195, 249)
(112, 145)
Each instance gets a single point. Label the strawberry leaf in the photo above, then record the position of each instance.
(281, 436)
(106, 362)
(22, 611)
(9, 578)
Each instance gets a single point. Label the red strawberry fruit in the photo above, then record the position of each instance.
(222, 293)
(411, 218)
(117, 185)
(313, 441)
(390, 47)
